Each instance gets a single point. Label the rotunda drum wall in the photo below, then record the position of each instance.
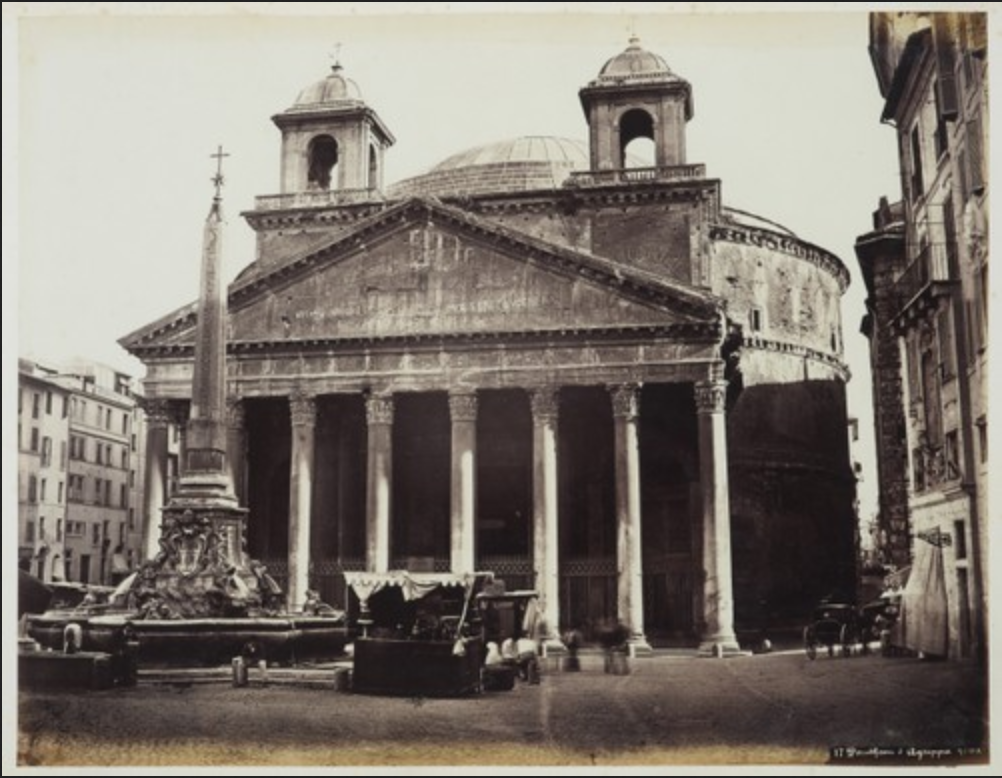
(779, 297)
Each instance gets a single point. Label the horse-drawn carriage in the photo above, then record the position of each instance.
(835, 626)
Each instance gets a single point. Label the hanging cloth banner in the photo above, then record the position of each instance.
(924, 604)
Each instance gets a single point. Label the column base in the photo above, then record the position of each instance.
(638, 646)
(721, 647)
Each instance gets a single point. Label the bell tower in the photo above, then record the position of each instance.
(636, 95)
(331, 140)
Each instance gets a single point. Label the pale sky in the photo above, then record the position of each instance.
(118, 117)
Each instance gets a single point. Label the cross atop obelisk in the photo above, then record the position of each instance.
(218, 180)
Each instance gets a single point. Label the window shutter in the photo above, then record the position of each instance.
(975, 155)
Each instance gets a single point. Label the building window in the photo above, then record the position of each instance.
(59, 530)
(121, 533)
(107, 492)
(107, 454)
(931, 404)
(104, 529)
(965, 190)
(917, 185)
(132, 479)
(97, 491)
(755, 319)
(975, 155)
(62, 455)
(36, 402)
(125, 458)
(132, 519)
(42, 489)
(959, 540)
(29, 532)
(107, 419)
(133, 443)
(41, 528)
(918, 470)
(48, 403)
(46, 451)
(983, 439)
(59, 493)
(123, 496)
(98, 456)
(32, 489)
(34, 439)
(940, 137)
(65, 407)
(125, 423)
(95, 535)
(951, 456)
(947, 360)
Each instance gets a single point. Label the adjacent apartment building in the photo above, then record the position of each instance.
(925, 264)
(81, 436)
(42, 444)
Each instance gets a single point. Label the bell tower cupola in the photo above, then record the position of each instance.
(331, 140)
(636, 95)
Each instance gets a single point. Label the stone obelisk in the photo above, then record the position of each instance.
(202, 540)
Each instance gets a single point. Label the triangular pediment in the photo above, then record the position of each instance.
(420, 269)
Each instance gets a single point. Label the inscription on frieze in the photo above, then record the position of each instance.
(430, 281)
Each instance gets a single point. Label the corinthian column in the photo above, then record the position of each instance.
(302, 408)
(157, 422)
(629, 563)
(463, 413)
(718, 599)
(379, 480)
(545, 551)
(236, 447)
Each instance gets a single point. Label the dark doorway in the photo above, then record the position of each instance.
(268, 452)
(504, 486)
(587, 508)
(337, 529)
(669, 488)
(421, 481)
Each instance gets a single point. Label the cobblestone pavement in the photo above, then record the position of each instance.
(776, 708)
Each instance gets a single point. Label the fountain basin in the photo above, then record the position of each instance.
(197, 642)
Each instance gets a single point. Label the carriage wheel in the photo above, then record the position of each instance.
(845, 639)
(810, 645)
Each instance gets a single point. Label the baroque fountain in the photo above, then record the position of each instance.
(201, 599)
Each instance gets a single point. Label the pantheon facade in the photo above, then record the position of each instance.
(540, 358)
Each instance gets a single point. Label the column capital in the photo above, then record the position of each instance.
(463, 405)
(379, 409)
(302, 408)
(710, 396)
(545, 403)
(625, 401)
(235, 413)
(157, 410)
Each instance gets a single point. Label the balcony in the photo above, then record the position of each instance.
(637, 175)
(320, 198)
(925, 279)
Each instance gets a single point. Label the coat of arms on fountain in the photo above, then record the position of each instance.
(189, 545)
